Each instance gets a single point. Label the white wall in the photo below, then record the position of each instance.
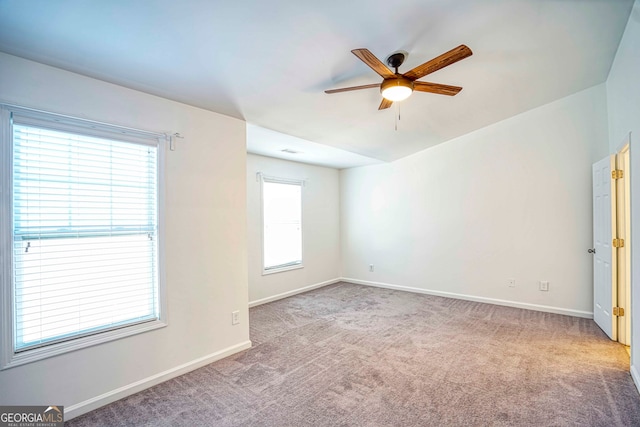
(623, 96)
(320, 229)
(512, 200)
(206, 267)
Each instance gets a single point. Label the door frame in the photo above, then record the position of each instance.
(623, 224)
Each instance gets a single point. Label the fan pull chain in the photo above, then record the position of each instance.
(397, 118)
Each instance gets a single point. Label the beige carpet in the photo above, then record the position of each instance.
(350, 355)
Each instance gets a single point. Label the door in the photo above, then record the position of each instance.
(604, 265)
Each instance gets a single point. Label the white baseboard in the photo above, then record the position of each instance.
(293, 292)
(526, 306)
(635, 377)
(119, 393)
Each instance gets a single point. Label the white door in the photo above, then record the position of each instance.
(604, 265)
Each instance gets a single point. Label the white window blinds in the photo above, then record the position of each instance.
(282, 217)
(85, 234)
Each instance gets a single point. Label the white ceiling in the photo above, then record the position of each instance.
(270, 143)
(268, 62)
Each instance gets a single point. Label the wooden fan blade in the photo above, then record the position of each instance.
(385, 104)
(346, 89)
(436, 88)
(448, 58)
(373, 62)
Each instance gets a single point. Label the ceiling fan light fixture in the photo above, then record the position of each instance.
(396, 89)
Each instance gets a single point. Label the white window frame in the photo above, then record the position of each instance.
(9, 358)
(279, 180)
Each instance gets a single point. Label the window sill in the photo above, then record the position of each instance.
(280, 270)
(29, 356)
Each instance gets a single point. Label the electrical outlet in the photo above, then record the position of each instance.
(544, 285)
(235, 317)
(371, 268)
(511, 283)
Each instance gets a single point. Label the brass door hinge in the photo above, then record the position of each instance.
(617, 174)
(618, 243)
(618, 311)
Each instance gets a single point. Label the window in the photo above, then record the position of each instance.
(282, 224)
(80, 226)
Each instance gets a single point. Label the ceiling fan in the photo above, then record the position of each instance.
(396, 86)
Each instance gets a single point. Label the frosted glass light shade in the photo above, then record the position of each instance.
(396, 89)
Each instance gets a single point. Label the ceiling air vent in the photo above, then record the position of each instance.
(290, 151)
